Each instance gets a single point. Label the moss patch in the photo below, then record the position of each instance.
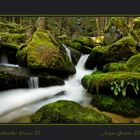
(110, 67)
(68, 112)
(12, 40)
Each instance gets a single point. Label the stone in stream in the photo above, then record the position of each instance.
(18, 77)
(64, 111)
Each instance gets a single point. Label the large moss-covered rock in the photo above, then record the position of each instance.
(121, 50)
(124, 106)
(110, 67)
(115, 30)
(133, 64)
(43, 52)
(123, 84)
(64, 111)
(95, 57)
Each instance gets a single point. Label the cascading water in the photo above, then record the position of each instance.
(20, 102)
(33, 82)
(4, 58)
(67, 51)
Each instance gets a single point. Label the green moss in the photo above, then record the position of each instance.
(113, 83)
(133, 62)
(11, 28)
(68, 112)
(124, 106)
(110, 67)
(12, 40)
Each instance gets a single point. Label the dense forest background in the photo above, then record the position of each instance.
(68, 26)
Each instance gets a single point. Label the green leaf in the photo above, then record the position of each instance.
(122, 83)
(119, 89)
(124, 92)
(115, 92)
(112, 88)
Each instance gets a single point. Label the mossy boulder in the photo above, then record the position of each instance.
(121, 50)
(115, 30)
(83, 44)
(64, 111)
(95, 56)
(110, 67)
(124, 106)
(133, 64)
(120, 84)
(43, 52)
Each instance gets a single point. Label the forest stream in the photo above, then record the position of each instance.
(18, 105)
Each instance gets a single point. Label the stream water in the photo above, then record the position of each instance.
(22, 102)
(17, 105)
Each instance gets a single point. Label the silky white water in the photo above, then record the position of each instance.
(67, 51)
(20, 102)
(4, 58)
(33, 82)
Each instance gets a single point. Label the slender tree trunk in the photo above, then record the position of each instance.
(42, 23)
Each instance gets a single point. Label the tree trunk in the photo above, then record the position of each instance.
(41, 23)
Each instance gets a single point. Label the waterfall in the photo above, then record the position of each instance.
(67, 51)
(4, 58)
(33, 82)
(20, 102)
